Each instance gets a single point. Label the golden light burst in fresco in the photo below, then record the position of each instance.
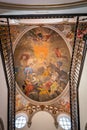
(41, 50)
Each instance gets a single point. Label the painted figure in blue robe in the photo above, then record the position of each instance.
(28, 71)
(16, 70)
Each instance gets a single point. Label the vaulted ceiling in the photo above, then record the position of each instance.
(40, 87)
(26, 102)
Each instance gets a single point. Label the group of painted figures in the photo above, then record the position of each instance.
(47, 82)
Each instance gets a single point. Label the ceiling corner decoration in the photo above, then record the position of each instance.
(42, 4)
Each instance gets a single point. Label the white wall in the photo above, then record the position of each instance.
(3, 96)
(83, 96)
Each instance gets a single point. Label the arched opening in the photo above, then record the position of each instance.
(40, 121)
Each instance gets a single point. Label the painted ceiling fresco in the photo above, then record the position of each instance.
(42, 55)
(42, 63)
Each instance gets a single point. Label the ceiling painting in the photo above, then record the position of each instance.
(42, 62)
(42, 55)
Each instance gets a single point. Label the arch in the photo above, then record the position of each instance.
(31, 117)
(40, 119)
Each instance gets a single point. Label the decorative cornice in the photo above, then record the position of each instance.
(42, 7)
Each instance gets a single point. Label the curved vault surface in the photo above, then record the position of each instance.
(42, 61)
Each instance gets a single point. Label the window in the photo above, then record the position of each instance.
(64, 121)
(21, 120)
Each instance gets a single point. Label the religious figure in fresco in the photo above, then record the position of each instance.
(28, 70)
(58, 52)
(28, 87)
(43, 61)
(24, 59)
